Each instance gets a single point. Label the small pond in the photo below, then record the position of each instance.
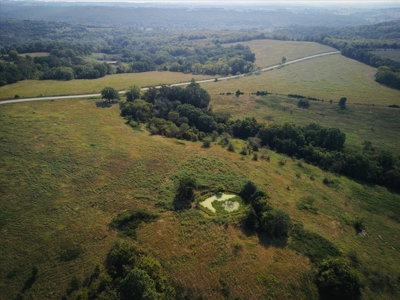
(228, 205)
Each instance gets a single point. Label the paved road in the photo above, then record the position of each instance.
(173, 84)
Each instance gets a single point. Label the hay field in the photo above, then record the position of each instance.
(327, 77)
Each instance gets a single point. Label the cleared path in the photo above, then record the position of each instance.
(173, 84)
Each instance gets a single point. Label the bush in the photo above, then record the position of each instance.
(128, 221)
(185, 188)
(335, 280)
(231, 148)
(303, 104)
(307, 203)
(206, 143)
(314, 246)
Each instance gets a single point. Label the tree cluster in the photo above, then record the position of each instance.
(261, 216)
(129, 274)
(188, 117)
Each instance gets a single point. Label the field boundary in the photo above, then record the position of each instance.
(174, 84)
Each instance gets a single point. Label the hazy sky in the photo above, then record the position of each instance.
(241, 1)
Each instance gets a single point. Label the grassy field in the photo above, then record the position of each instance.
(328, 77)
(392, 54)
(359, 122)
(35, 54)
(68, 167)
(38, 88)
(270, 52)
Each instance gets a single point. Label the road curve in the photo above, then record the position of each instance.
(173, 84)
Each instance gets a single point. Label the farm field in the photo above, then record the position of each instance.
(328, 77)
(39, 88)
(270, 52)
(392, 54)
(68, 167)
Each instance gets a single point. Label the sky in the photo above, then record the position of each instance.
(321, 2)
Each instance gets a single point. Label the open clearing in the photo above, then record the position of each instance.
(68, 167)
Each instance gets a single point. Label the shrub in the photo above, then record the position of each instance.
(359, 224)
(306, 203)
(303, 104)
(314, 246)
(327, 180)
(231, 148)
(335, 280)
(206, 143)
(128, 221)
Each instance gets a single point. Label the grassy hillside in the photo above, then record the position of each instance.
(377, 124)
(68, 167)
(328, 77)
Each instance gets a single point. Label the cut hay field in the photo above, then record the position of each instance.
(327, 77)
(68, 167)
(43, 88)
(270, 52)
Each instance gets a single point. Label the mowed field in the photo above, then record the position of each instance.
(270, 52)
(68, 167)
(328, 77)
(121, 82)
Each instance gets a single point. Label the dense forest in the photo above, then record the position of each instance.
(141, 50)
(134, 50)
(185, 16)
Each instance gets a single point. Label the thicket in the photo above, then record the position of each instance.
(127, 222)
(261, 216)
(184, 113)
(128, 273)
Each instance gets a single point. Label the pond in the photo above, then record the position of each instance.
(228, 205)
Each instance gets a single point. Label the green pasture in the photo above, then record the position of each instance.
(391, 54)
(378, 124)
(270, 52)
(43, 88)
(327, 77)
(35, 54)
(68, 167)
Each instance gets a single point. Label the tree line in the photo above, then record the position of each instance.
(356, 43)
(184, 113)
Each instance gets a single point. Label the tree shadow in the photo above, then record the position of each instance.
(31, 280)
(104, 104)
(179, 204)
(266, 240)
